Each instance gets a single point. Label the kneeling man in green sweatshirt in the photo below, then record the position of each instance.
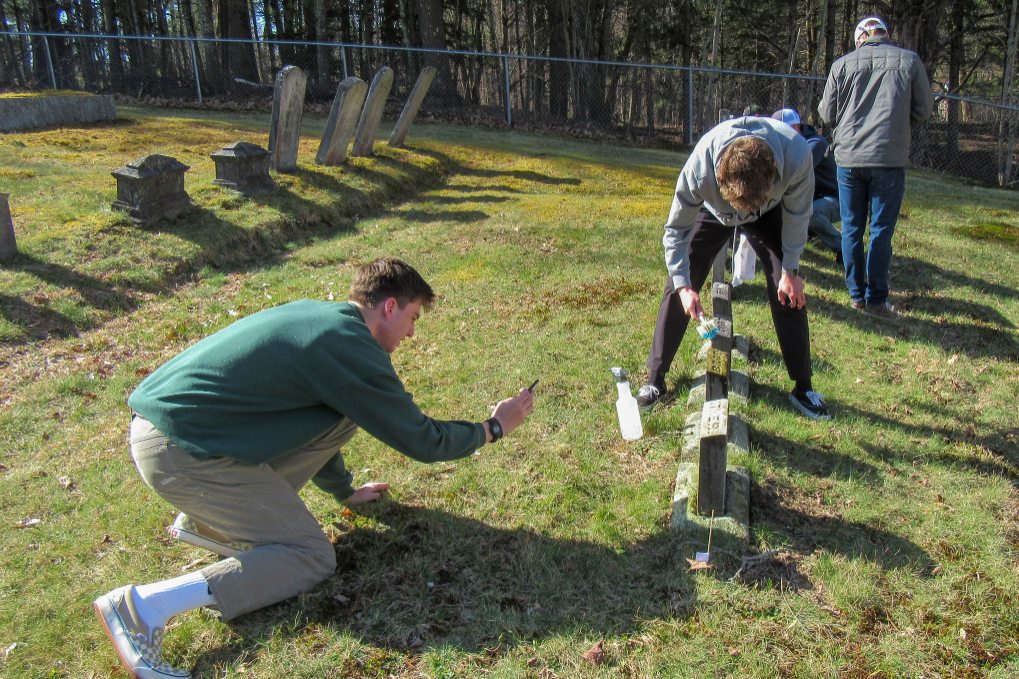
(230, 430)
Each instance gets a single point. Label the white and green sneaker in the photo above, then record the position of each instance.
(139, 646)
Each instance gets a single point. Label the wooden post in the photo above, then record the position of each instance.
(713, 443)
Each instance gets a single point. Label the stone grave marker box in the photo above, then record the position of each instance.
(243, 166)
(151, 188)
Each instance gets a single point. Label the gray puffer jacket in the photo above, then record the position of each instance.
(872, 96)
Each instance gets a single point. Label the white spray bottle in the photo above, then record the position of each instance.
(626, 407)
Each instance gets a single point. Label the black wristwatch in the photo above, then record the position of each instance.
(792, 273)
(495, 428)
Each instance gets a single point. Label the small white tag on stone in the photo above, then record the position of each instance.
(702, 556)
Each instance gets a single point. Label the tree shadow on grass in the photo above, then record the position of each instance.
(34, 316)
(416, 576)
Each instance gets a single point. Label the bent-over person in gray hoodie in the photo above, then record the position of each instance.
(755, 175)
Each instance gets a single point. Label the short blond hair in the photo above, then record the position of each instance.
(746, 172)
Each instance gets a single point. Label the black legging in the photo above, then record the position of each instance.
(708, 238)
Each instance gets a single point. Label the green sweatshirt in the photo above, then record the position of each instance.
(274, 381)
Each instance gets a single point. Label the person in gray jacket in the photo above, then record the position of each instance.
(755, 175)
(872, 97)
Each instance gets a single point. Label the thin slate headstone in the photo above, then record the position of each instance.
(721, 299)
(723, 338)
(243, 166)
(151, 188)
(8, 244)
(285, 125)
(342, 117)
(711, 470)
(371, 116)
(716, 376)
(410, 109)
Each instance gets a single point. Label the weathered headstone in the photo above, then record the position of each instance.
(152, 187)
(711, 473)
(285, 124)
(23, 113)
(410, 109)
(723, 338)
(716, 376)
(342, 117)
(721, 299)
(8, 245)
(371, 116)
(243, 166)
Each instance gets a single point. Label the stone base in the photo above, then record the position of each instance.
(24, 113)
(150, 212)
(731, 530)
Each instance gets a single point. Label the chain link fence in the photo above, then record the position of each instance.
(642, 102)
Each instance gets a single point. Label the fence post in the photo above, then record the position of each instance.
(505, 67)
(194, 62)
(49, 62)
(343, 55)
(689, 100)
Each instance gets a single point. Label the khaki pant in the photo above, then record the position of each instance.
(257, 507)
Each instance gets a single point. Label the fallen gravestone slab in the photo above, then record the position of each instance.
(285, 124)
(371, 116)
(151, 188)
(342, 117)
(410, 110)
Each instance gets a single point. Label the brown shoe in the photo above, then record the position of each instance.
(858, 304)
(881, 311)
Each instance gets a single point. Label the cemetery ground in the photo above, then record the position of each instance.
(896, 526)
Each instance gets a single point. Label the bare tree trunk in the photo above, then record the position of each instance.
(956, 57)
(709, 96)
(1006, 149)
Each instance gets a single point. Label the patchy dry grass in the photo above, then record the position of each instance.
(896, 527)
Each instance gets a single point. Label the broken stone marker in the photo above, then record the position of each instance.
(8, 245)
(371, 116)
(151, 188)
(342, 118)
(410, 110)
(243, 166)
(285, 125)
(714, 439)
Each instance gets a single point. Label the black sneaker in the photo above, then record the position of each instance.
(649, 396)
(810, 404)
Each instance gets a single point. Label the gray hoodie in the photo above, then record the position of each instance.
(697, 187)
(872, 96)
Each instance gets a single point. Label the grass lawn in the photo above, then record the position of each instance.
(896, 525)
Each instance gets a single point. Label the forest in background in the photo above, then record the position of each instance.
(237, 47)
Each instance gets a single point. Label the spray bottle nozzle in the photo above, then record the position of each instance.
(620, 374)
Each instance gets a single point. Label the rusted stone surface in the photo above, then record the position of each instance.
(410, 109)
(287, 111)
(243, 166)
(342, 118)
(151, 188)
(371, 116)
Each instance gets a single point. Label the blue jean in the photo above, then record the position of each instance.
(878, 190)
(826, 212)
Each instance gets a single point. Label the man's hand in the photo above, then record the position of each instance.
(691, 302)
(790, 291)
(512, 412)
(367, 493)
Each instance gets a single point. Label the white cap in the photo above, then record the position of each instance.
(868, 25)
(787, 115)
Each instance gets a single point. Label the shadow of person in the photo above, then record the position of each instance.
(412, 575)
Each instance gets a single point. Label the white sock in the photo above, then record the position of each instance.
(160, 601)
